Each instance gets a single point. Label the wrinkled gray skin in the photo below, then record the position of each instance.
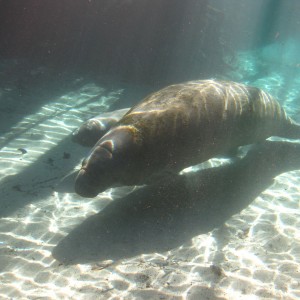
(179, 126)
(93, 129)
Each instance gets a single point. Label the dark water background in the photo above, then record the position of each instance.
(148, 42)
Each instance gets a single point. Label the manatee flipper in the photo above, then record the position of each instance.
(93, 129)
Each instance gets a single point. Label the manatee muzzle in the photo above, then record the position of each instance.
(84, 186)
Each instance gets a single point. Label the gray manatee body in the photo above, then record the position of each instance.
(179, 126)
(93, 129)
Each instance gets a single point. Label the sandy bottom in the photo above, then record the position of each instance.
(228, 232)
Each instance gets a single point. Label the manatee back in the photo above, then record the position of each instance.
(207, 117)
(207, 104)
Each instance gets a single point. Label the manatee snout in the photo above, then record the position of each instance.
(93, 177)
(84, 186)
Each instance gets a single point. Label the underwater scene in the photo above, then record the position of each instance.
(150, 149)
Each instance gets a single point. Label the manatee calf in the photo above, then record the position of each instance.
(93, 129)
(179, 126)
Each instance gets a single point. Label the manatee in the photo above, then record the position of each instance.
(93, 129)
(179, 126)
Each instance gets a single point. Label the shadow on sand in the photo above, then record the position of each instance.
(163, 216)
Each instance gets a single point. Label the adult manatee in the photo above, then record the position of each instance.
(179, 126)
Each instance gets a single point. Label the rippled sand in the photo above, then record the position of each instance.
(228, 232)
